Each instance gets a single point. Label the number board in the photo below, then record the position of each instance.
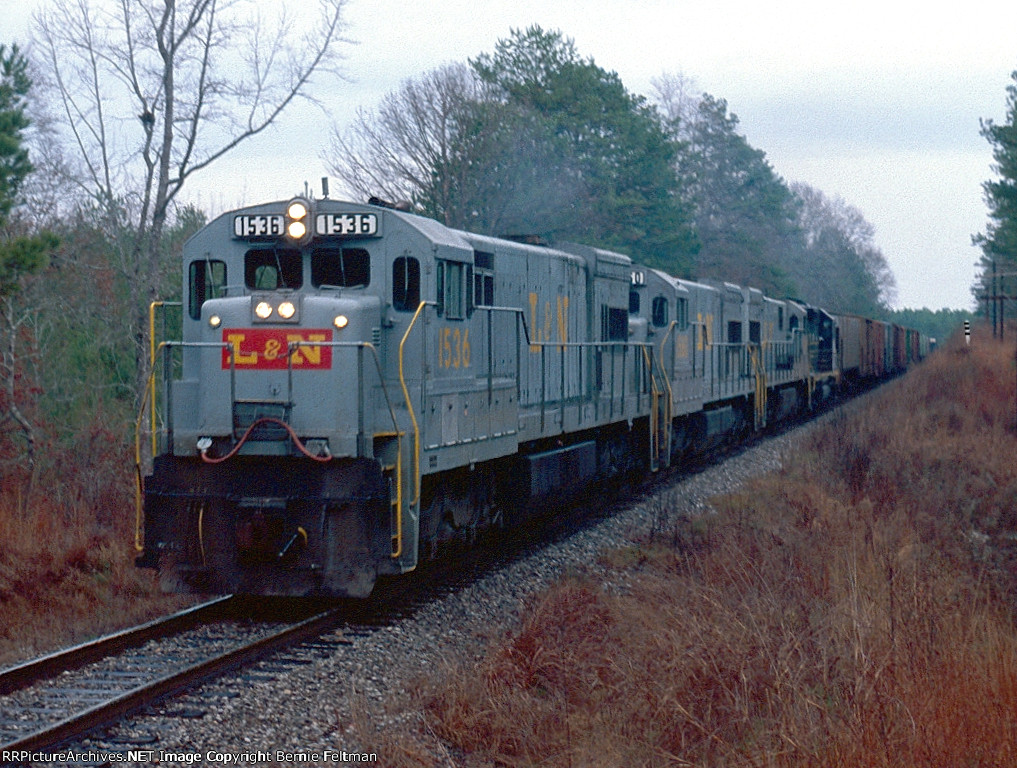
(347, 224)
(252, 225)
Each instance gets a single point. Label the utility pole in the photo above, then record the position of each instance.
(994, 300)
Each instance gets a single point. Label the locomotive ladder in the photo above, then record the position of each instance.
(660, 413)
(759, 370)
(388, 451)
(405, 502)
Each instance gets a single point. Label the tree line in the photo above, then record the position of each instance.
(533, 138)
(119, 104)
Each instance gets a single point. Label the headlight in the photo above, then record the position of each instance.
(263, 310)
(296, 219)
(214, 321)
(341, 321)
(287, 310)
(296, 229)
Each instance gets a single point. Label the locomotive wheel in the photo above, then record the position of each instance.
(458, 506)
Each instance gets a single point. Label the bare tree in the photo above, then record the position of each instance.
(677, 97)
(23, 337)
(409, 148)
(151, 92)
(459, 152)
(839, 245)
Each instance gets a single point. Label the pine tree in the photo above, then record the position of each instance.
(20, 255)
(14, 163)
(603, 144)
(999, 241)
(745, 215)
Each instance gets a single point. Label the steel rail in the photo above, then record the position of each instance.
(110, 711)
(50, 665)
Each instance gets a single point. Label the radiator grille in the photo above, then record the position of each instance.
(247, 412)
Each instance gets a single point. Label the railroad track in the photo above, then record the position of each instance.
(74, 694)
(62, 697)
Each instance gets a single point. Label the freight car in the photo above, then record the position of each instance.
(863, 344)
(355, 384)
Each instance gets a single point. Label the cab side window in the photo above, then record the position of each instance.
(405, 284)
(755, 335)
(734, 332)
(483, 279)
(659, 311)
(207, 280)
(451, 294)
(614, 324)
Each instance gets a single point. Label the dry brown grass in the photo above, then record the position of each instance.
(66, 560)
(854, 609)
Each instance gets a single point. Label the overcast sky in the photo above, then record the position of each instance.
(875, 102)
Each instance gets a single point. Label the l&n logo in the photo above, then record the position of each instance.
(267, 348)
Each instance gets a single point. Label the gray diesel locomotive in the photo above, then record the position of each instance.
(355, 384)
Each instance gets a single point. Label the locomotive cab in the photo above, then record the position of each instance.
(824, 355)
(270, 451)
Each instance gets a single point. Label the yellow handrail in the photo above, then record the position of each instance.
(151, 361)
(667, 376)
(667, 335)
(395, 422)
(149, 389)
(139, 482)
(655, 394)
(759, 369)
(416, 430)
(654, 414)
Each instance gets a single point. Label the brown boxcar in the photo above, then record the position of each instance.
(851, 345)
(900, 348)
(874, 363)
